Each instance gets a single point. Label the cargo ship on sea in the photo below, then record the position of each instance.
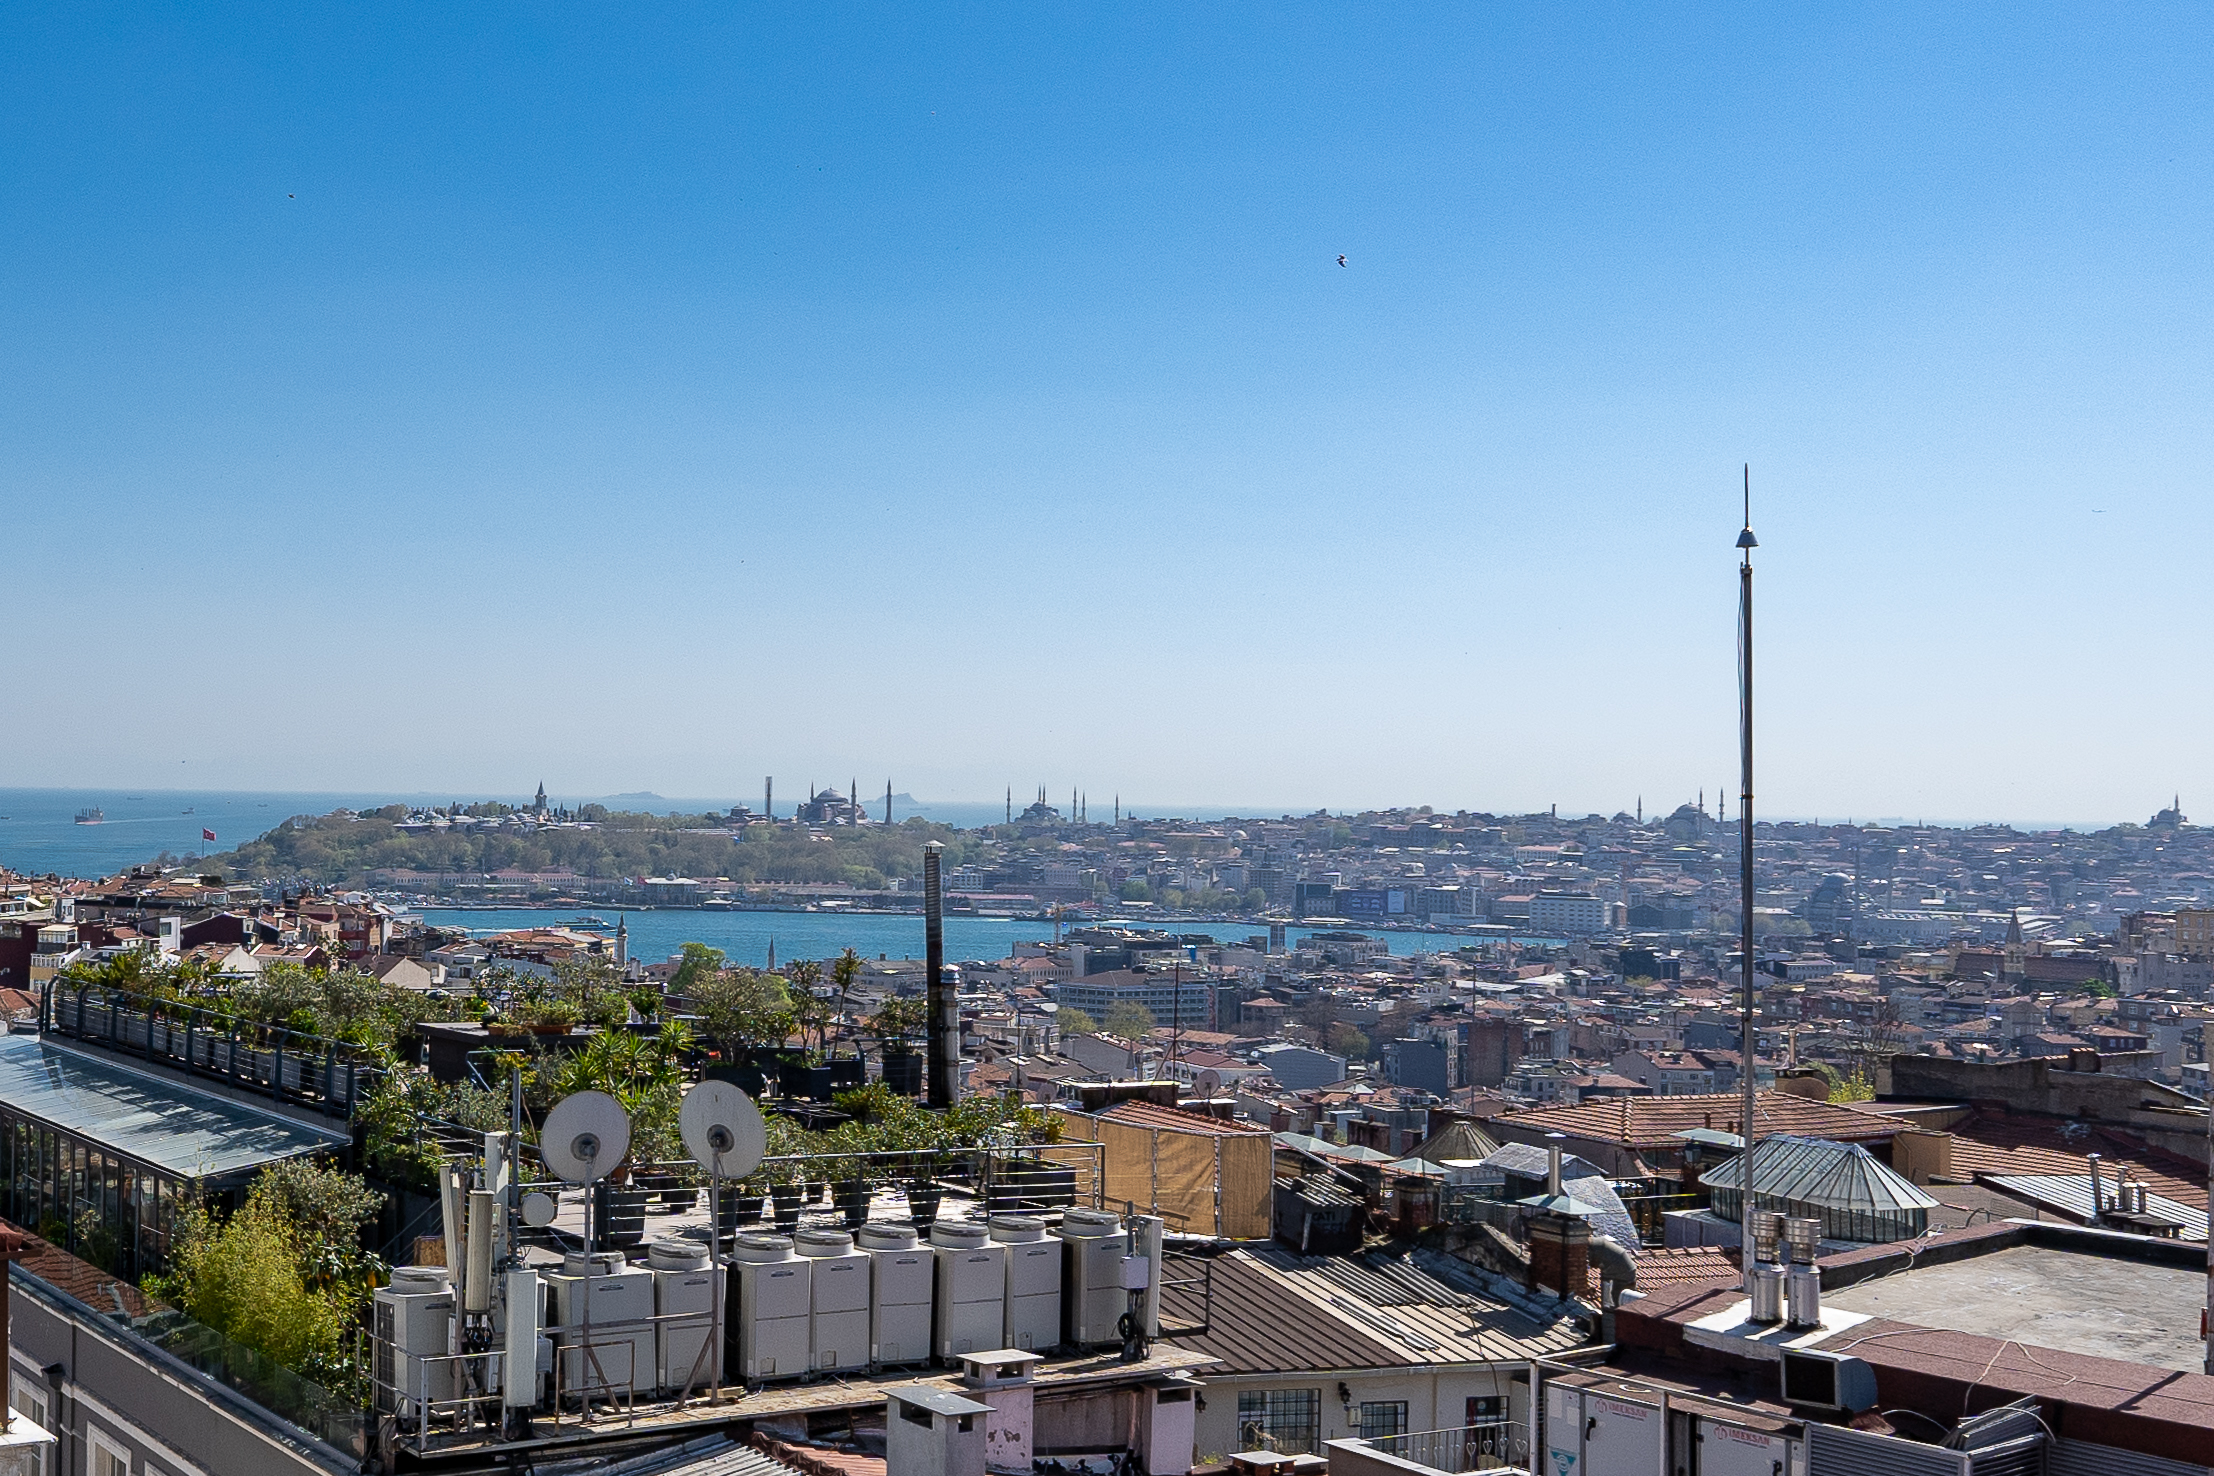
(92, 815)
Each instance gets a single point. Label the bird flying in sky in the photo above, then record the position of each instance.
(1341, 260)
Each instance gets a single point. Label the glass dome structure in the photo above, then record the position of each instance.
(1854, 1194)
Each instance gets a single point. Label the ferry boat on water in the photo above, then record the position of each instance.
(92, 815)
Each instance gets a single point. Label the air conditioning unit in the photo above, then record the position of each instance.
(901, 1274)
(1033, 1317)
(414, 1322)
(838, 1320)
(1092, 1298)
(619, 1362)
(683, 1282)
(774, 1306)
(1813, 1379)
(972, 1288)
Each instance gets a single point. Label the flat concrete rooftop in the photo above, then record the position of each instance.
(2049, 1298)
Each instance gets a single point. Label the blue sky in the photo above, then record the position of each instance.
(420, 399)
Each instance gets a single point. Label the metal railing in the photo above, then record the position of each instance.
(1498, 1445)
(436, 1401)
(1016, 1178)
(286, 1066)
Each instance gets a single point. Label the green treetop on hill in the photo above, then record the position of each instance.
(342, 848)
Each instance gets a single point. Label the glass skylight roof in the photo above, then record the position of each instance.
(1853, 1193)
(164, 1125)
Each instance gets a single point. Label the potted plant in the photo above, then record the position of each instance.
(785, 1194)
(898, 1026)
(551, 1016)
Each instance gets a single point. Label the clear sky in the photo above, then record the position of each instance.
(660, 397)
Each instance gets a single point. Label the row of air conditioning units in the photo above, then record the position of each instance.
(819, 1302)
(824, 1302)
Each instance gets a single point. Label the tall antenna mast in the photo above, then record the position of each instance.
(1747, 1050)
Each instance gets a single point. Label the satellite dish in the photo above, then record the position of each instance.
(1209, 1083)
(538, 1210)
(723, 1129)
(584, 1137)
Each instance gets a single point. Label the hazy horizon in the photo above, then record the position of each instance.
(932, 808)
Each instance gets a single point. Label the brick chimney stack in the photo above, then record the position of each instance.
(1560, 1249)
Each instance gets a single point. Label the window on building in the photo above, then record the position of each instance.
(1486, 1411)
(1288, 1421)
(107, 1460)
(32, 1408)
(1382, 1417)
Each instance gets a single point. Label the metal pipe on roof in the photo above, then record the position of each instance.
(1746, 543)
(944, 1009)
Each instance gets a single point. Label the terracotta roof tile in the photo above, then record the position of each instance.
(1653, 1122)
(1996, 1143)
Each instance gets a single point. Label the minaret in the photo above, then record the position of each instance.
(768, 798)
(887, 802)
(853, 800)
(1010, 804)
(1118, 808)
(622, 940)
(772, 954)
(1641, 809)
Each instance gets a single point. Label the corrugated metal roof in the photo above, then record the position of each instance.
(717, 1455)
(1277, 1312)
(2071, 1195)
(1323, 1148)
(1533, 1162)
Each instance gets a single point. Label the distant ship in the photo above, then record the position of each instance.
(187, 809)
(92, 816)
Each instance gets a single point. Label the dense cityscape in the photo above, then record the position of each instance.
(1956, 1031)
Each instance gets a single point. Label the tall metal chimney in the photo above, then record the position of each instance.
(945, 1008)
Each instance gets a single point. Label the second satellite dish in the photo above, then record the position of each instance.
(584, 1137)
(539, 1210)
(723, 1129)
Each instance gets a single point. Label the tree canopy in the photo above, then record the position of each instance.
(343, 848)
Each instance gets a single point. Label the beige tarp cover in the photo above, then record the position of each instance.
(1201, 1183)
(1248, 1185)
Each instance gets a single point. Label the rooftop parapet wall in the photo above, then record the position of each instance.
(2041, 1084)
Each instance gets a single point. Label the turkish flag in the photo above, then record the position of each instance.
(206, 834)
